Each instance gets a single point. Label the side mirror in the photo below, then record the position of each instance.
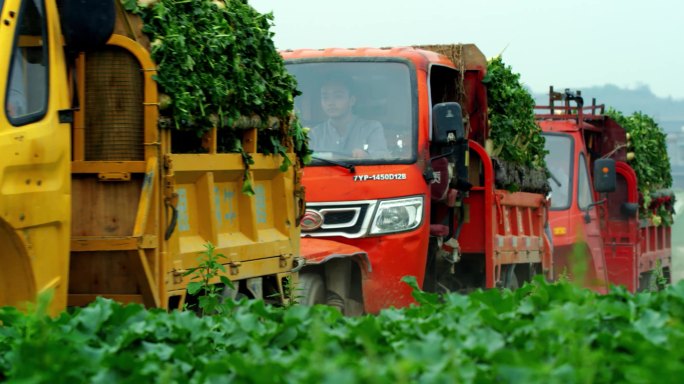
(87, 24)
(447, 124)
(604, 175)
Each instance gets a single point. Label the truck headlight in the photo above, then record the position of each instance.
(397, 215)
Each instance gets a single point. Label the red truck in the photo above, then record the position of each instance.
(400, 183)
(598, 219)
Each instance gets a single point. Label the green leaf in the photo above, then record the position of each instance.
(130, 5)
(194, 287)
(286, 337)
(247, 188)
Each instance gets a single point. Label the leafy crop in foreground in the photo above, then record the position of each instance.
(541, 333)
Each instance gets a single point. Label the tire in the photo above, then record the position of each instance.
(647, 282)
(667, 275)
(310, 289)
(526, 272)
(510, 278)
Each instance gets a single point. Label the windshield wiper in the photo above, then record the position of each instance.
(554, 178)
(349, 167)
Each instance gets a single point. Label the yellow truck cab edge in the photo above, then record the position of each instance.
(94, 201)
(35, 188)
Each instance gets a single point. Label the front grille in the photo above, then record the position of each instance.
(342, 219)
(339, 217)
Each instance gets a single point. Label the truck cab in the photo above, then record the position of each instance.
(411, 191)
(373, 206)
(598, 236)
(573, 216)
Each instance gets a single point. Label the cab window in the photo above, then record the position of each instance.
(584, 197)
(559, 149)
(358, 111)
(27, 91)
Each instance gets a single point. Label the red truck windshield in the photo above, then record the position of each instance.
(357, 112)
(560, 165)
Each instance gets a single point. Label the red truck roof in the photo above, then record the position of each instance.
(610, 137)
(422, 56)
(466, 57)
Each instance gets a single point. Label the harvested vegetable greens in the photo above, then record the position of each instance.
(217, 64)
(647, 155)
(518, 145)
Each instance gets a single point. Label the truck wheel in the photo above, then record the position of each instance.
(666, 278)
(647, 282)
(510, 279)
(651, 281)
(310, 289)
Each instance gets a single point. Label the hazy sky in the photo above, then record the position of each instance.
(565, 43)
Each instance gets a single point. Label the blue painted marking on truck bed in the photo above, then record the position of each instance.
(182, 208)
(228, 198)
(260, 199)
(217, 205)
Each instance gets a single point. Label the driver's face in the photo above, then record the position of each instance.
(336, 100)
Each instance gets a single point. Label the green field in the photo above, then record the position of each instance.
(541, 333)
(678, 240)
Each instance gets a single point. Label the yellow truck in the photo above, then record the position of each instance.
(94, 201)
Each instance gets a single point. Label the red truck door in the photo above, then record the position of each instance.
(596, 270)
(623, 230)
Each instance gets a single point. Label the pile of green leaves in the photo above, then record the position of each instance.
(217, 62)
(650, 161)
(540, 333)
(516, 136)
